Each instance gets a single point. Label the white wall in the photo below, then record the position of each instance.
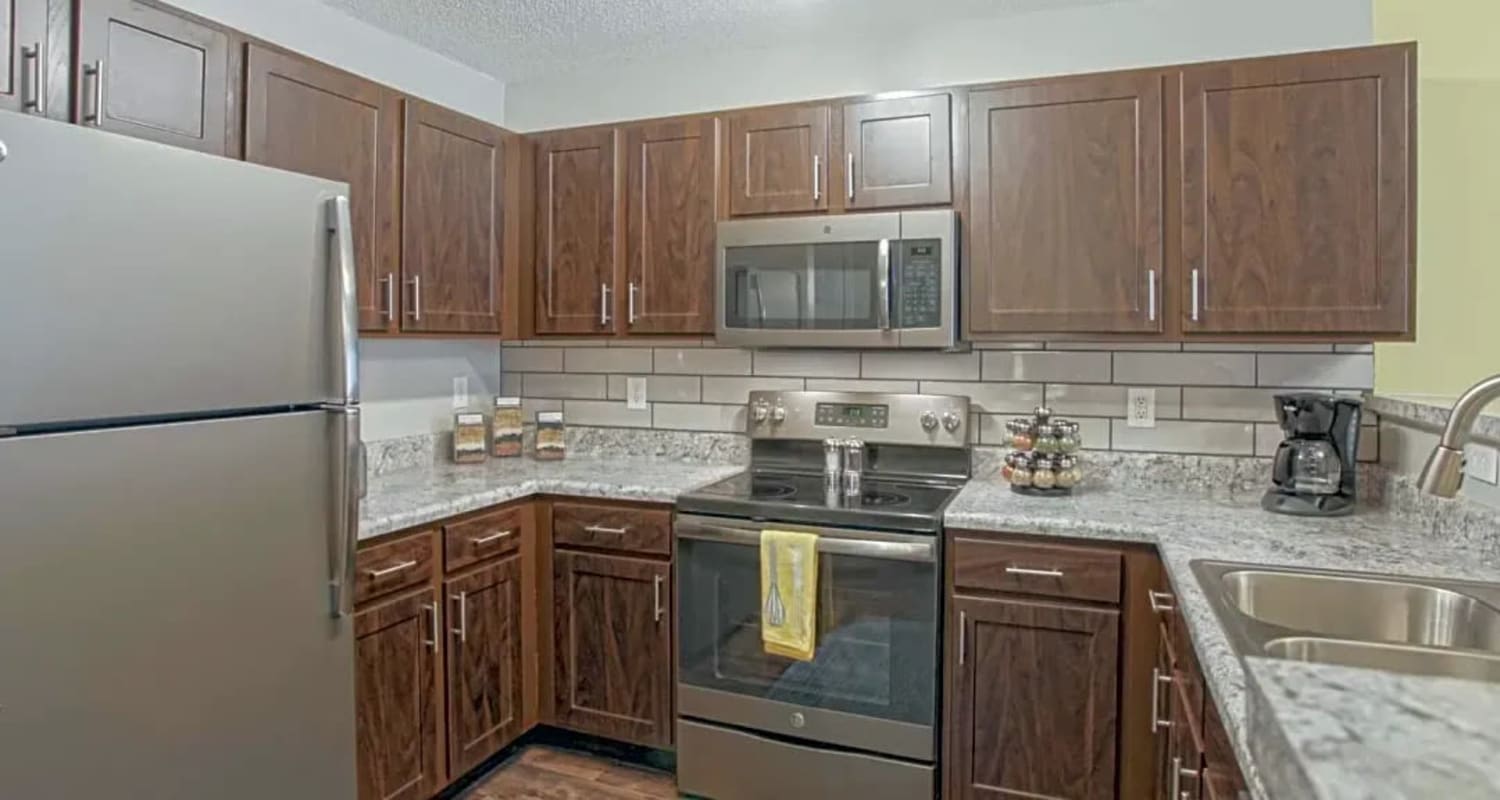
(407, 384)
(330, 36)
(1126, 34)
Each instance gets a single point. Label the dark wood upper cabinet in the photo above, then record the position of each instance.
(1297, 207)
(897, 152)
(613, 646)
(575, 231)
(306, 117)
(1034, 704)
(1065, 180)
(155, 74)
(23, 55)
(778, 160)
(670, 214)
(452, 222)
(484, 663)
(397, 698)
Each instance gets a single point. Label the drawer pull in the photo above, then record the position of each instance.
(462, 631)
(386, 572)
(432, 615)
(1161, 602)
(1040, 573)
(1157, 681)
(480, 541)
(603, 529)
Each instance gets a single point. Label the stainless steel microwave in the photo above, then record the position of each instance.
(859, 280)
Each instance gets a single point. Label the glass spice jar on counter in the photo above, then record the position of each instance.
(1043, 460)
(551, 436)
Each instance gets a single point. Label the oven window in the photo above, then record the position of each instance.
(802, 287)
(877, 633)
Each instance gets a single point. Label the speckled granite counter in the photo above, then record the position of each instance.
(1234, 528)
(399, 500)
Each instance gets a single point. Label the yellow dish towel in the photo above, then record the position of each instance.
(789, 593)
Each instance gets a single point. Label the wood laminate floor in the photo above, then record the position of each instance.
(546, 773)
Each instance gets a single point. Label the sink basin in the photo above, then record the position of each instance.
(1364, 608)
(1389, 657)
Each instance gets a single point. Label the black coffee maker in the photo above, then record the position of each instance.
(1314, 469)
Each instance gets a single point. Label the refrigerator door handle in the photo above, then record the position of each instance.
(342, 291)
(349, 482)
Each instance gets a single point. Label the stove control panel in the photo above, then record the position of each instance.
(875, 417)
(852, 415)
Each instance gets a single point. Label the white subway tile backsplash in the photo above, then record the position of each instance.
(1201, 369)
(702, 361)
(1354, 348)
(1181, 436)
(544, 384)
(860, 385)
(990, 398)
(531, 405)
(510, 384)
(698, 417)
(1003, 345)
(667, 388)
(922, 366)
(605, 413)
(1337, 370)
(657, 341)
(531, 359)
(607, 359)
(1047, 367)
(1242, 405)
(737, 390)
(807, 363)
(1107, 400)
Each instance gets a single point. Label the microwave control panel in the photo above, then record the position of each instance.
(921, 283)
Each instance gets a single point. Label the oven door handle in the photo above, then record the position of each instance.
(922, 551)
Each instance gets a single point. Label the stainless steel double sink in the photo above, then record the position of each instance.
(1417, 626)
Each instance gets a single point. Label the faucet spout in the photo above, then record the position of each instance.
(1444, 472)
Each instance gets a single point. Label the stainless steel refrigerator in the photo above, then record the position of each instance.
(179, 473)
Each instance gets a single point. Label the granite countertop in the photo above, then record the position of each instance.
(408, 498)
(1314, 730)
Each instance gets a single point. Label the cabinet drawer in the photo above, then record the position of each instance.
(389, 566)
(1076, 573)
(486, 536)
(624, 528)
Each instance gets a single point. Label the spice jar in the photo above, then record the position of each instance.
(1043, 476)
(551, 436)
(1020, 434)
(469, 434)
(1068, 473)
(1020, 476)
(505, 428)
(1068, 440)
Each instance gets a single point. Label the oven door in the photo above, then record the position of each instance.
(872, 684)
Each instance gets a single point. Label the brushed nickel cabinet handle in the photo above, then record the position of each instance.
(963, 635)
(1041, 573)
(389, 282)
(415, 282)
(484, 540)
(31, 78)
(462, 631)
(656, 610)
(1151, 295)
(1184, 794)
(603, 304)
(432, 617)
(1176, 779)
(1157, 681)
(849, 175)
(630, 297)
(817, 177)
(95, 71)
(603, 529)
(1161, 602)
(377, 574)
(1196, 283)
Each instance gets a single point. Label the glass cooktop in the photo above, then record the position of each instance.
(798, 497)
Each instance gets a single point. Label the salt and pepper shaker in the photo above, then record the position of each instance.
(854, 467)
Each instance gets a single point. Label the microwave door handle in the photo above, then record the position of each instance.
(883, 270)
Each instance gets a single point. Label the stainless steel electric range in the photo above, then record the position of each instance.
(859, 719)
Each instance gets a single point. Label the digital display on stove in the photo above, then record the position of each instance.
(852, 415)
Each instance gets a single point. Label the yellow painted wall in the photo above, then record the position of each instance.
(1458, 195)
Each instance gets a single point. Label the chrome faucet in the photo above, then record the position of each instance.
(1444, 472)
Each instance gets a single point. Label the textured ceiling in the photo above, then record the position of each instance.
(518, 39)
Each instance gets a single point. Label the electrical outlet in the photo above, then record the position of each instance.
(1482, 463)
(1140, 408)
(635, 393)
(460, 391)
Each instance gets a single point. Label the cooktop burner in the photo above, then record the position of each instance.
(770, 489)
(883, 499)
(796, 497)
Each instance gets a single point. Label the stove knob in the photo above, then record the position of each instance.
(759, 412)
(778, 414)
(950, 421)
(929, 421)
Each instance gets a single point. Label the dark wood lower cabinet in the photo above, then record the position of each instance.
(613, 646)
(1032, 711)
(398, 699)
(484, 663)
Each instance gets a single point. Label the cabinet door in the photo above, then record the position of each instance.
(670, 214)
(898, 152)
(151, 73)
(1066, 197)
(575, 231)
(484, 663)
(452, 222)
(1162, 712)
(1034, 710)
(397, 700)
(778, 160)
(306, 117)
(23, 55)
(613, 646)
(1297, 213)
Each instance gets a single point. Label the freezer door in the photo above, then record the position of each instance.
(146, 280)
(164, 614)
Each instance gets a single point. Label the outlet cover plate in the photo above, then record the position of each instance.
(1140, 407)
(1482, 463)
(635, 393)
(460, 391)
